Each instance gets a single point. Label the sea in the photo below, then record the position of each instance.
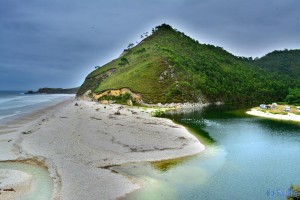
(16, 103)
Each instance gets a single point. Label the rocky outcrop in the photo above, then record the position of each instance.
(118, 92)
(168, 73)
(87, 96)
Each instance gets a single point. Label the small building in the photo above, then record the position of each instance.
(287, 108)
(298, 108)
(263, 106)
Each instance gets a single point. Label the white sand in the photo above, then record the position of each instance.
(288, 117)
(79, 143)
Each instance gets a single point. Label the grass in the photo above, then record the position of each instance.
(169, 66)
(144, 65)
(157, 113)
(279, 110)
(122, 99)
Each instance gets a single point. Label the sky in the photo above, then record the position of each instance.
(56, 43)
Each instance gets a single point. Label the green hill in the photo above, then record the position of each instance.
(285, 62)
(169, 66)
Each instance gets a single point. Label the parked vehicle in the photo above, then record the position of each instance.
(274, 105)
(263, 106)
(287, 108)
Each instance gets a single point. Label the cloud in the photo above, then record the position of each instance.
(57, 43)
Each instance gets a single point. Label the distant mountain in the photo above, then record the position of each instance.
(54, 91)
(169, 66)
(285, 62)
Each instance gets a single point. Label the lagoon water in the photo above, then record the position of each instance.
(14, 103)
(246, 158)
(42, 183)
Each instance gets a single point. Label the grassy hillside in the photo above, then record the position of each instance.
(169, 66)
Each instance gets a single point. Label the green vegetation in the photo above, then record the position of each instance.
(293, 98)
(140, 51)
(285, 62)
(169, 66)
(157, 113)
(124, 62)
(122, 99)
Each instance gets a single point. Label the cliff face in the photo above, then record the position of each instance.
(169, 66)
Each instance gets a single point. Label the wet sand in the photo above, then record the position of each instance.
(79, 144)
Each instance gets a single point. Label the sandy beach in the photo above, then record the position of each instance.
(79, 144)
(287, 117)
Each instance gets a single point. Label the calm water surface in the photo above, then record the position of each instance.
(42, 183)
(246, 158)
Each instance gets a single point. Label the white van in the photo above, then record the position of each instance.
(287, 109)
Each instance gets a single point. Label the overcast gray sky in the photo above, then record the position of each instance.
(56, 43)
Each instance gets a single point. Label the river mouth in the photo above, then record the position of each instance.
(246, 158)
(25, 181)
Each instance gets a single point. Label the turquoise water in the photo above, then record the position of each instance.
(42, 186)
(246, 158)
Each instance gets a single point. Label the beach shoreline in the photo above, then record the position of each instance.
(287, 117)
(78, 144)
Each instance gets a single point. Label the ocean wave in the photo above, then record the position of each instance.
(7, 99)
(27, 100)
(10, 115)
(15, 104)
